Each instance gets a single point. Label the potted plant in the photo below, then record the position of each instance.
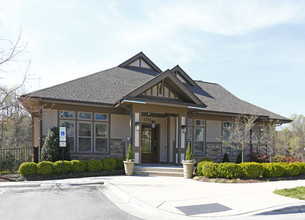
(129, 162)
(188, 163)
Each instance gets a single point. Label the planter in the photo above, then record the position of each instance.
(128, 166)
(188, 170)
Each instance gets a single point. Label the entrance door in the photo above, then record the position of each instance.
(150, 144)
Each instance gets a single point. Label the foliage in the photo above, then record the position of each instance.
(302, 167)
(28, 169)
(206, 159)
(51, 150)
(58, 166)
(285, 159)
(291, 169)
(258, 158)
(94, 165)
(200, 166)
(210, 169)
(238, 158)
(297, 193)
(78, 166)
(129, 155)
(188, 154)
(45, 168)
(225, 158)
(273, 170)
(229, 170)
(108, 164)
(119, 165)
(251, 169)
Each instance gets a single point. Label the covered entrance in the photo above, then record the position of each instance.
(150, 143)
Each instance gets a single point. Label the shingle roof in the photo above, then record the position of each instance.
(105, 87)
(221, 100)
(111, 85)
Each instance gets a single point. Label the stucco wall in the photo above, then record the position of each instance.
(49, 120)
(120, 126)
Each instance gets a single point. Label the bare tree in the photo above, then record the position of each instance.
(239, 133)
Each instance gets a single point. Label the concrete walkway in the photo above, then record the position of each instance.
(178, 198)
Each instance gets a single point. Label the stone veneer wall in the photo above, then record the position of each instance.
(117, 148)
(213, 151)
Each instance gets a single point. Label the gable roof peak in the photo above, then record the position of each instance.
(140, 60)
(183, 76)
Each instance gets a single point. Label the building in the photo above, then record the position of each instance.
(159, 112)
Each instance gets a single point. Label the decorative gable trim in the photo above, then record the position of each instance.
(182, 75)
(167, 75)
(142, 61)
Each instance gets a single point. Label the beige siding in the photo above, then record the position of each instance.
(213, 131)
(49, 120)
(36, 131)
(172, 138)
(120, 126)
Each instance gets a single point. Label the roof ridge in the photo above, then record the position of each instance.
(206, 82)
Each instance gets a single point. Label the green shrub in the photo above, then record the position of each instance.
(108, 164)
(273, 170)
(58, 166)
(251, 169)
(50, 150)
(78, 166)
(239, 159)
(28, 169)
(94, 165)
(229, 170)
(302, 167)
(225, 158)
(199, 167)
(291, 169)
(45, 168)
(206, 159)
(210, 169)
(119, 165)
(129, 155)
(188, 154)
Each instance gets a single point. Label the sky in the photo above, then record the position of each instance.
(254, 49)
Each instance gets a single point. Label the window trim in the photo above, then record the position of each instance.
(78, 136)
(204, 139)
(108, 129)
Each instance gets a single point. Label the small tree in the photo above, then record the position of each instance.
(238, 159)
(129, 156)
(239, 130)
(225, 158)
(188, 155)
(50, 150)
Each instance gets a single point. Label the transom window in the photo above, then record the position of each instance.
(101, 117)
(85, 115)
(67, 114)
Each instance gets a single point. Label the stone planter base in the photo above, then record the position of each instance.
(188, 170)
(128, 166)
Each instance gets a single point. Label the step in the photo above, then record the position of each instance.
(158, 171)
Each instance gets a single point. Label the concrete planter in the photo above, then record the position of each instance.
(188, 170)
(128, 166)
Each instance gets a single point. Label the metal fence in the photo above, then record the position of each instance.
(10, 159)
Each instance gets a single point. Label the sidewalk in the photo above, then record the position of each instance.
(179, 198)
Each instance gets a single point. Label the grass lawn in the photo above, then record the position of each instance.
(297, 193)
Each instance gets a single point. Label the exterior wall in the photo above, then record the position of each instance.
(213, 131)
(49, 120)
(120, 128)
(172, 138)
(36, 134)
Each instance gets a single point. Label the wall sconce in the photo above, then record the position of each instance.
(137, 124)
(153, 124)
(183, 127)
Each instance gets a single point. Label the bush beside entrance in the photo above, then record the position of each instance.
(249, 170)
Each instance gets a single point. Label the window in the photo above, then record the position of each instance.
(199, 140)
(101, 137)
(84, 136)
(67, 114)
(199, 122)
(226, 137)
(101, 117)
(84, 115)
(70, 126)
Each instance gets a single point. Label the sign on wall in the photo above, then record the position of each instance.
(62, 136)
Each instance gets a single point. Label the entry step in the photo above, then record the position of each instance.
(158, 171)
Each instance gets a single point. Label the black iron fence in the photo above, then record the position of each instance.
(10, 159)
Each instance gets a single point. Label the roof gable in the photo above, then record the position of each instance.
(183, 76)
(140, 60)
(173, 84)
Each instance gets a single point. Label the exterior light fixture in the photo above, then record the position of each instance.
(183, 127)
(137, 124)
(153, 124)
